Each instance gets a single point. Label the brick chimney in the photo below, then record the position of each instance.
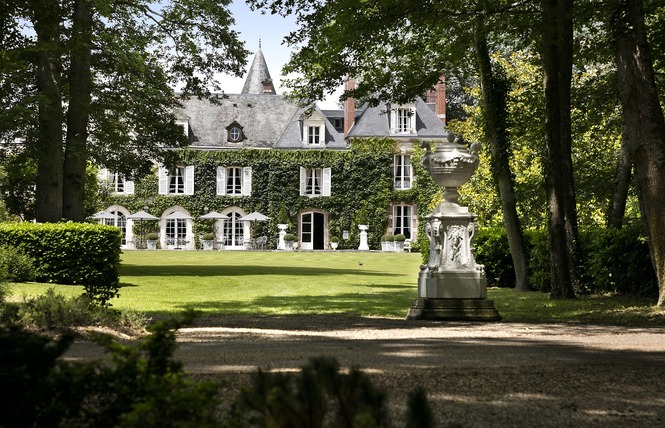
(349, 107)
(440, 106)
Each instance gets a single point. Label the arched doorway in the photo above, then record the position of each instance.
(313, 230)
(234, 230)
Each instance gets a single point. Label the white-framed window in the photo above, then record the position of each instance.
(315, 181)
(314, 130)
(403, 172)
(176, 181)
(313, 135)
(233, 230)
(116, 183)
(402, 220)
(234, 133)
(403, 119)
(234, 180)
(176, 231)
(119, 221)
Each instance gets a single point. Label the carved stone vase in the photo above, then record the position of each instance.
(452, 286)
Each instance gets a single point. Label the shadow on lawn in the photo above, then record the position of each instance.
(212, 270)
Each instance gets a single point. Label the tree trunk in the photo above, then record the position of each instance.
(494, 91)
(644, 123)
(617, 209)
(80, 87)
(557, 91)
(48, 199)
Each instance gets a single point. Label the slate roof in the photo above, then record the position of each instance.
(258, 73)
(270, 121)
(374, 122)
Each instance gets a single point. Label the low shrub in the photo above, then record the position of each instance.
(55, 312)
(16, 265)
(614, 260)
(71, 253)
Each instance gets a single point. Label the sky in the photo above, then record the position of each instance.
(270, 29)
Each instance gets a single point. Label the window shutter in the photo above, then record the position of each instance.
(163, 176)
(326, 181)
(247, 181)
(412, 120)
(221, 180)
(129, 187)
(303, 180)
(189, 180)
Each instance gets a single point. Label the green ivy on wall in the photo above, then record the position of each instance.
(361, 177)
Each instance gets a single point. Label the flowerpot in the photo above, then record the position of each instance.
(288, 245)
(152, 245)
(334, 245)
(208, 245)
(399, 246)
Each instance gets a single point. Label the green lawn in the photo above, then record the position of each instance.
(283, 283)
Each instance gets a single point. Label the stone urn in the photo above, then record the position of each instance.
(364, 246)
(451, 165)
(452, 286)
(281, 245)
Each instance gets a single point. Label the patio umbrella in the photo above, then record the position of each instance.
(142, 215)
(254, 217)
(178, 214)
(103, 215)
(213, 215)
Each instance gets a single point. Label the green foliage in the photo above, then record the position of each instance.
(71, 253)
(617, 260)
(289, 237)
(55, 312)
(152, 236)
(387, 238)
(15, 265)
(362, 188)
(208, 236)
(334, 239)
(400, 238)
(321, 396)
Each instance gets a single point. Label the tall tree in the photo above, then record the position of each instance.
(495, 87)
(644, 122)
(104, 70)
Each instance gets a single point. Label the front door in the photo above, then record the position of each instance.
(312, 227)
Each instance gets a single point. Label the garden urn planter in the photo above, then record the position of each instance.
(281, 245)
(363, 238)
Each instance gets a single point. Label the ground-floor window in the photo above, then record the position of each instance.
(176, 231)
(233, 231)
(402, 215)
(119, 221)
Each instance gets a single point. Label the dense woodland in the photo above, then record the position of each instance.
(565, 95)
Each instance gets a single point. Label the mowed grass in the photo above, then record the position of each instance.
(350, 283)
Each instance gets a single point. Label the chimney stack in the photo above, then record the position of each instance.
(440, 107)
(349, 107)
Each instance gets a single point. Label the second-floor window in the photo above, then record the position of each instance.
(403, 120)
(403, 172)
(234, 180)
(313, 135)
(176, 181)
(315, 181)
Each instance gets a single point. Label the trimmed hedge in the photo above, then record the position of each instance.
(70, 253)
(615, 260)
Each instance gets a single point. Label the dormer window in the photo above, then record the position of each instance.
(234, 133)
(314, 130)
(403, 119)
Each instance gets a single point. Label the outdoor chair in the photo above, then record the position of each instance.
(261, 242)
(407, 245)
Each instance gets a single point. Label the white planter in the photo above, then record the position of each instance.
(288, 245)
(334, 245)
(208, 245)
(152, 244)
(363, 238)
(282, 232)
(399, 246)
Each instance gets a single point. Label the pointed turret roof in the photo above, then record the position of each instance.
(258, 79)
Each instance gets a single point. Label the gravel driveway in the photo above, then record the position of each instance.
(476, 374)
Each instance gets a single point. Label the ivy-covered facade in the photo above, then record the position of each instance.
(322, 172)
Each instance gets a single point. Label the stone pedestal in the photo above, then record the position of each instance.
(282, 232)
(363, 238)
(451, 286)
(453, 310)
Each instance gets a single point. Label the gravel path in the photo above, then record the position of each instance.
(476, 374)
